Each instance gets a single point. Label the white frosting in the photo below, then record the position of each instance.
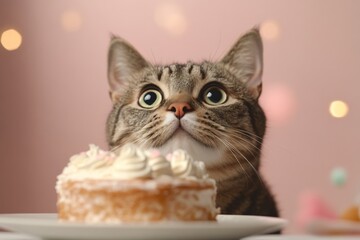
(94, 162)
(200, 169)
(183, 166)
(160, 166)
(132, 163)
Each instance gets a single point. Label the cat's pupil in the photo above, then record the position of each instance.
(214, 95)
(150, 98)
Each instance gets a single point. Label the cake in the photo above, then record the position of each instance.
(135, 186)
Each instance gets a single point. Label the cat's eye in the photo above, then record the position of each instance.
(215, 96)
(150, 99)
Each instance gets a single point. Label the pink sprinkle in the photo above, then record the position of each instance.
(155, 153)
(169, 156)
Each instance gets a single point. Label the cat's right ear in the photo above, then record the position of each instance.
(245, 61)
(123, 63)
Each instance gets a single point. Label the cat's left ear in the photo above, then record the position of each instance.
(245, 61)
(124, 61)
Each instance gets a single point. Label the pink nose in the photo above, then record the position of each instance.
(180, 108)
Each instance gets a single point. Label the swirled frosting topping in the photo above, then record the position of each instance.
(132, 163)
(183, 166)
(93, 159)
(160, 166)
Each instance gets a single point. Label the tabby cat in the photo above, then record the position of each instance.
(210, 109)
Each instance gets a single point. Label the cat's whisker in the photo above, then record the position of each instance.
(155, 134)
(148, 132)
(243, 139)
(232, 148)
(247, 148)
(213, 54)
(225, 133)
(249, 134)
(115, 148)
(141, 141)
(150, 126)
(218, 126)
(150, 136)
(244, 157)
(154, 58)
(231, 151)
(254, 137)
(222, 129)
(224, 142)
(237, 137)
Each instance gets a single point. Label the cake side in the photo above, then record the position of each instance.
(115, 201)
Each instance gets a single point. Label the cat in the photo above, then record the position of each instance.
(209, 109)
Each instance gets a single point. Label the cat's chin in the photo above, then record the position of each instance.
(182, 140)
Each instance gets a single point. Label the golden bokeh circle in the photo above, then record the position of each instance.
(338, 109)
(11, 39)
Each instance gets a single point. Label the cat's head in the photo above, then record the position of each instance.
(209, 109)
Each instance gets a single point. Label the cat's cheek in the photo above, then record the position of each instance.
(190, 123)
(190, 120)
(188, 126)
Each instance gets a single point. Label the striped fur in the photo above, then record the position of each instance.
(228, 137)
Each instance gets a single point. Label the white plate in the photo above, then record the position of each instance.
(325, 226)
(227, 227)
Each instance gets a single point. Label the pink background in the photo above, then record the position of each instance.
(54, 94)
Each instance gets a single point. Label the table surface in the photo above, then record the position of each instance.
(16, 236)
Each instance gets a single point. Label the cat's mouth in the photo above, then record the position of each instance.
(179, 132)
(182, 138)
(183, 134)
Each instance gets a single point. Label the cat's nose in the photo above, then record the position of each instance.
(180, 108)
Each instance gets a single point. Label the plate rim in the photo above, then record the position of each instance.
(42, 222)
(14, 217)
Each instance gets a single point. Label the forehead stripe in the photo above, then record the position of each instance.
(170, 70)
(190, 68)
(202, 72)
(159, 74)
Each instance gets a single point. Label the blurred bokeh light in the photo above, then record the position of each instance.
(71, 20)
(338, 109)
(270, 30)
(11, 39)
(279, 104)
(170, 17)
(338, 176)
